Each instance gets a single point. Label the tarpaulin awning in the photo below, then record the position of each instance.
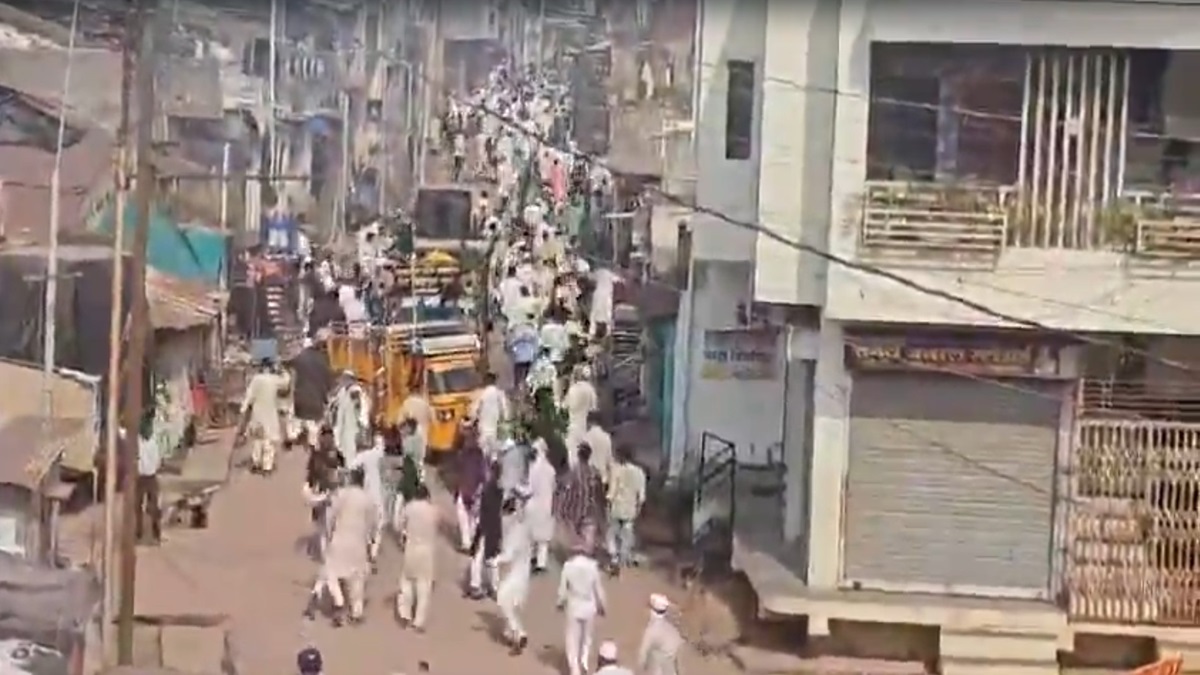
(30, 447)
(176, 304)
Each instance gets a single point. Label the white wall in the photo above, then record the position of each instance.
(801, 42)
(1081, 290)
(728, 31)
(749, 413)
(468, 20)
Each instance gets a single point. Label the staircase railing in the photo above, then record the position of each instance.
(714, 504)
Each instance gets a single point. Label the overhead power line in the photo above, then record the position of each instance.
(1013, 320)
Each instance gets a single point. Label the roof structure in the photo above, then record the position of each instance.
(176, 304)
(28, 446)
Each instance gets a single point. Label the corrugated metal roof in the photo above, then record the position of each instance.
(176, 304)
(25, 452)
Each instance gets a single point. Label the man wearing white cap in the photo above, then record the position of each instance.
(659, 653)
(517, 554)
(606, 660)
(581, 596)
(543, 480)
(580, 402)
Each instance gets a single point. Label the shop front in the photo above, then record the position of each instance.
(953, 444)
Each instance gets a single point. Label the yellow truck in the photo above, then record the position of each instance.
(439, 359)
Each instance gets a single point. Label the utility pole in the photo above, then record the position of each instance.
(144, 194)
(129, 41)
(50, 304)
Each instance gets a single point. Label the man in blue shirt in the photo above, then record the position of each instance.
(149, 462)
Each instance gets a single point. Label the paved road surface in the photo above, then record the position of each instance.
(249, 565)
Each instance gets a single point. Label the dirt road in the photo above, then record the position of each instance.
(250, 565)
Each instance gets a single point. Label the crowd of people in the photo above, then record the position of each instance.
(537, 472)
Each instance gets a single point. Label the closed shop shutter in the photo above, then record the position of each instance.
(950, 483)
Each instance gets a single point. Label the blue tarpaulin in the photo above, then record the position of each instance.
(281, 233)
(183, 251)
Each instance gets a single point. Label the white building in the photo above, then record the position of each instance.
(939, 463)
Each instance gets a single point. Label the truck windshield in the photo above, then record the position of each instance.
(457, 380)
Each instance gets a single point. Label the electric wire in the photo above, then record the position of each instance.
(517, 126)
(867, 268)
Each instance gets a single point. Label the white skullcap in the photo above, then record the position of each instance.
(659, 602)
(607, 651)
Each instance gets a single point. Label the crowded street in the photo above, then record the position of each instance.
(254, 572)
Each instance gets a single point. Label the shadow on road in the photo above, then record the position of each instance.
(494, 625)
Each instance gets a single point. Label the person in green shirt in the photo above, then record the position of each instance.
(412, 472)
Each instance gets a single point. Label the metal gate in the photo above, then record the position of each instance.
(951, 484)
(1073, 144)
(713, 506)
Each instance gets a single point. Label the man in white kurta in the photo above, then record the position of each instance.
(489, 409)
(659, 652)
(581, 596)
(416, 408)
(580, 401)
(601, 312)
(260, 418)
(516, 557)
(602, 447)
(348, 407)
(539, 512)
(352, 514)
(419, 523)
(369, 462)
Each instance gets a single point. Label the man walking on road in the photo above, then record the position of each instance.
(261, 419)
(352, 514)
(488, 538)
(540, 510)
(517, 555)
(489, 410)
(606, 660)
(659, 653)
(149, 463)
(581, 597)
(419, 525)
(626, 495)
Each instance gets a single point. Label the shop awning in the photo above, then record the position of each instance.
(27, 451)
(176, 304)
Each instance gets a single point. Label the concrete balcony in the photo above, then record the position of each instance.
(926, 224)
(1128, 266)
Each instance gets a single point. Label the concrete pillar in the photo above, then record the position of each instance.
(831, 409)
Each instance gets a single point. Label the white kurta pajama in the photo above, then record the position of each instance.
(261, 403)
(419, 523)
(659, 652)
(352, 514)
(581, 595)
(580, 401)
(347, 422)
(539, 512)
(489, 410)
(514, 586)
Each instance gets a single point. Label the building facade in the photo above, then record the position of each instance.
(983, 367)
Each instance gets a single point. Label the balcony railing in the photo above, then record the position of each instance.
(921, 221)
(1166, 226)
(1177, 401)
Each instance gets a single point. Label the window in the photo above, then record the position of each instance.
(739, 110)
(460, 380)
(945, 112)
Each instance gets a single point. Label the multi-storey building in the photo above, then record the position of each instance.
(960, 333)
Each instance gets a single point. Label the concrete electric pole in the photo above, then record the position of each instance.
(138, 328)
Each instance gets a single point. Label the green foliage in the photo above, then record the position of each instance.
(544, 420)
